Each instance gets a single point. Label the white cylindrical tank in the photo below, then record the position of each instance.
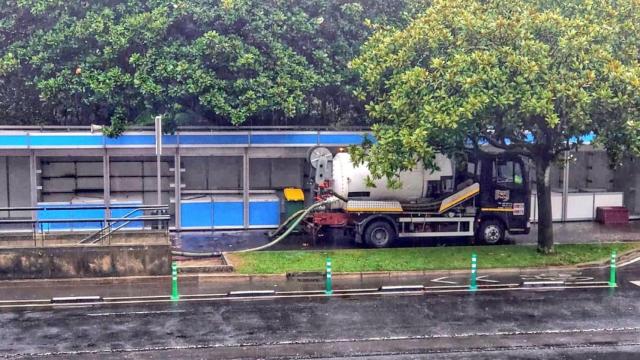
(348, 179)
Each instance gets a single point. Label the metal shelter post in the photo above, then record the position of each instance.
(565, 186)
(158, 128)
(245, 187)
(106, 184)
(177, 164)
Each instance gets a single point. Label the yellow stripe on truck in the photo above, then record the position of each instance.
(497, 209)
(459, 197)
(374, 210)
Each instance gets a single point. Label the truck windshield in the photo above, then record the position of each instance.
(508, 172)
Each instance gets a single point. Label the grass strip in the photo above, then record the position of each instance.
(426, 258)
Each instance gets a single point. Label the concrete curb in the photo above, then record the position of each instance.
(244, 278)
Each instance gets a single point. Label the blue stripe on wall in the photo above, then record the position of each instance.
(341, 139)
(242, 139)
(222, 139)
(14, 140)
(66, 140)
(131, 140)
(284, 139)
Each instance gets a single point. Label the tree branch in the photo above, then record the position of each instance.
(520, 149)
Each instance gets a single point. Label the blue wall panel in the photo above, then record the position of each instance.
(228, 214)
(97, 214)
(78, 213)
(264, 213)
(208, 214)
(196, 214)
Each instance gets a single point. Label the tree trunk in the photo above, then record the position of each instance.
(545, 224)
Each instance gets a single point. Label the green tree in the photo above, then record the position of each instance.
(528, 77)
(215, 62)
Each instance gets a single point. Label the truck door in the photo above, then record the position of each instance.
(509, 192)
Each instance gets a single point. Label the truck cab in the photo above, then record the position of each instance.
(503, 203)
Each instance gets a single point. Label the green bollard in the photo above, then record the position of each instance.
(612, 270)
(474, 272)
(329, 289)
(175, 294)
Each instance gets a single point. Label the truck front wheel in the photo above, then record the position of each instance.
(491, 232)
(379, 234)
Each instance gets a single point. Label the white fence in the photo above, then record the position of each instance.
(580, 205)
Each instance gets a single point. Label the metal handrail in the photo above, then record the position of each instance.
(108, 221)
(51, 221)
(107, 226)
(83, 207)
(112, 230)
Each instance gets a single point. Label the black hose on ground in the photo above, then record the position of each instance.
(196, 254)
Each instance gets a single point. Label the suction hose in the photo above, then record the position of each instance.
(284, 224)
(293, 226)
(216, 254)
(296, 214)
(195, 254)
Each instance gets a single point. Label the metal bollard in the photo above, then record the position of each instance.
(329, 286)
(473, 286)
(175, 294)
(612, 270)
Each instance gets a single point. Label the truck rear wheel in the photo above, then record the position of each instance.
(491, 232)
(379, 234)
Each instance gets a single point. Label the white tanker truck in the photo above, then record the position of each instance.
(482, 197)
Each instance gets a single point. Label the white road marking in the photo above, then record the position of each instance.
(482, 278)
(137, 313)
(440, 280)
(556, 277)
(636, 283)
(629, 262)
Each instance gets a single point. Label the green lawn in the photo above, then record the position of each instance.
(432, 258)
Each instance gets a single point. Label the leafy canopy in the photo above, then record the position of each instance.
(215, 62)
(526, 76)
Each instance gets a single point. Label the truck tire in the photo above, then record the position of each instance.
(491, 232)
(379, 234)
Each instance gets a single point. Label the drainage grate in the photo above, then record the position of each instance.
(76, 299)
(311, 276)
(252, 293)
(542, 283)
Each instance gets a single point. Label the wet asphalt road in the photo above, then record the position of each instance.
(526, 324)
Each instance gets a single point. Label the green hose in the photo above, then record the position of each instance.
(284, 224)
(293, 226)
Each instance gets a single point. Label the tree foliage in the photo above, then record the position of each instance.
(198, 61)
(529, 77)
